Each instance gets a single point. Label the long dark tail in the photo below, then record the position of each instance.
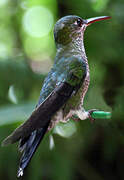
(31, 132)
(29, 146)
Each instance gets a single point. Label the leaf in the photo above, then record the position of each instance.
(12, 95)
(65, 129)
(15, 113)
(51, 142)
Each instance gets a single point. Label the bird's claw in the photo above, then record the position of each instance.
(90, 115)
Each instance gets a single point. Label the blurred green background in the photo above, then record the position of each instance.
(27, 50)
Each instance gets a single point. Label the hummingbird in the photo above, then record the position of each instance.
(63, 91)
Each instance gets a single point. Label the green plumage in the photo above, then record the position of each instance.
(63, 90)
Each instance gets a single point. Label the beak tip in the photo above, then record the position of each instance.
(94, 19)
(107, 17)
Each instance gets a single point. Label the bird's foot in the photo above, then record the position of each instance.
(90, 115)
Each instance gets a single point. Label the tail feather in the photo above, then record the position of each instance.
(23, 142)
(29, 148)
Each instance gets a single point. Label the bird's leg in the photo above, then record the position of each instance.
(81, 114)
(68, 116)
(90, 115)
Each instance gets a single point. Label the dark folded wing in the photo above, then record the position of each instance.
(43, 113)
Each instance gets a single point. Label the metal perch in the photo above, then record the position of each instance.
(101, 115)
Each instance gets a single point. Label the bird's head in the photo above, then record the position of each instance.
(70, 28)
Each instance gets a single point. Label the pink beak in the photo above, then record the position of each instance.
(94, 19)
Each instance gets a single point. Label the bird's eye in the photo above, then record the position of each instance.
(79, 22)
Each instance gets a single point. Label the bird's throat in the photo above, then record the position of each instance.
(74, 48)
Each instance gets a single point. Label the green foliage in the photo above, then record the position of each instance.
(65, 129)
(15, 113)
(94, 151)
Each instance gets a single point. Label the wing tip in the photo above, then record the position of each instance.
(7, 141)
